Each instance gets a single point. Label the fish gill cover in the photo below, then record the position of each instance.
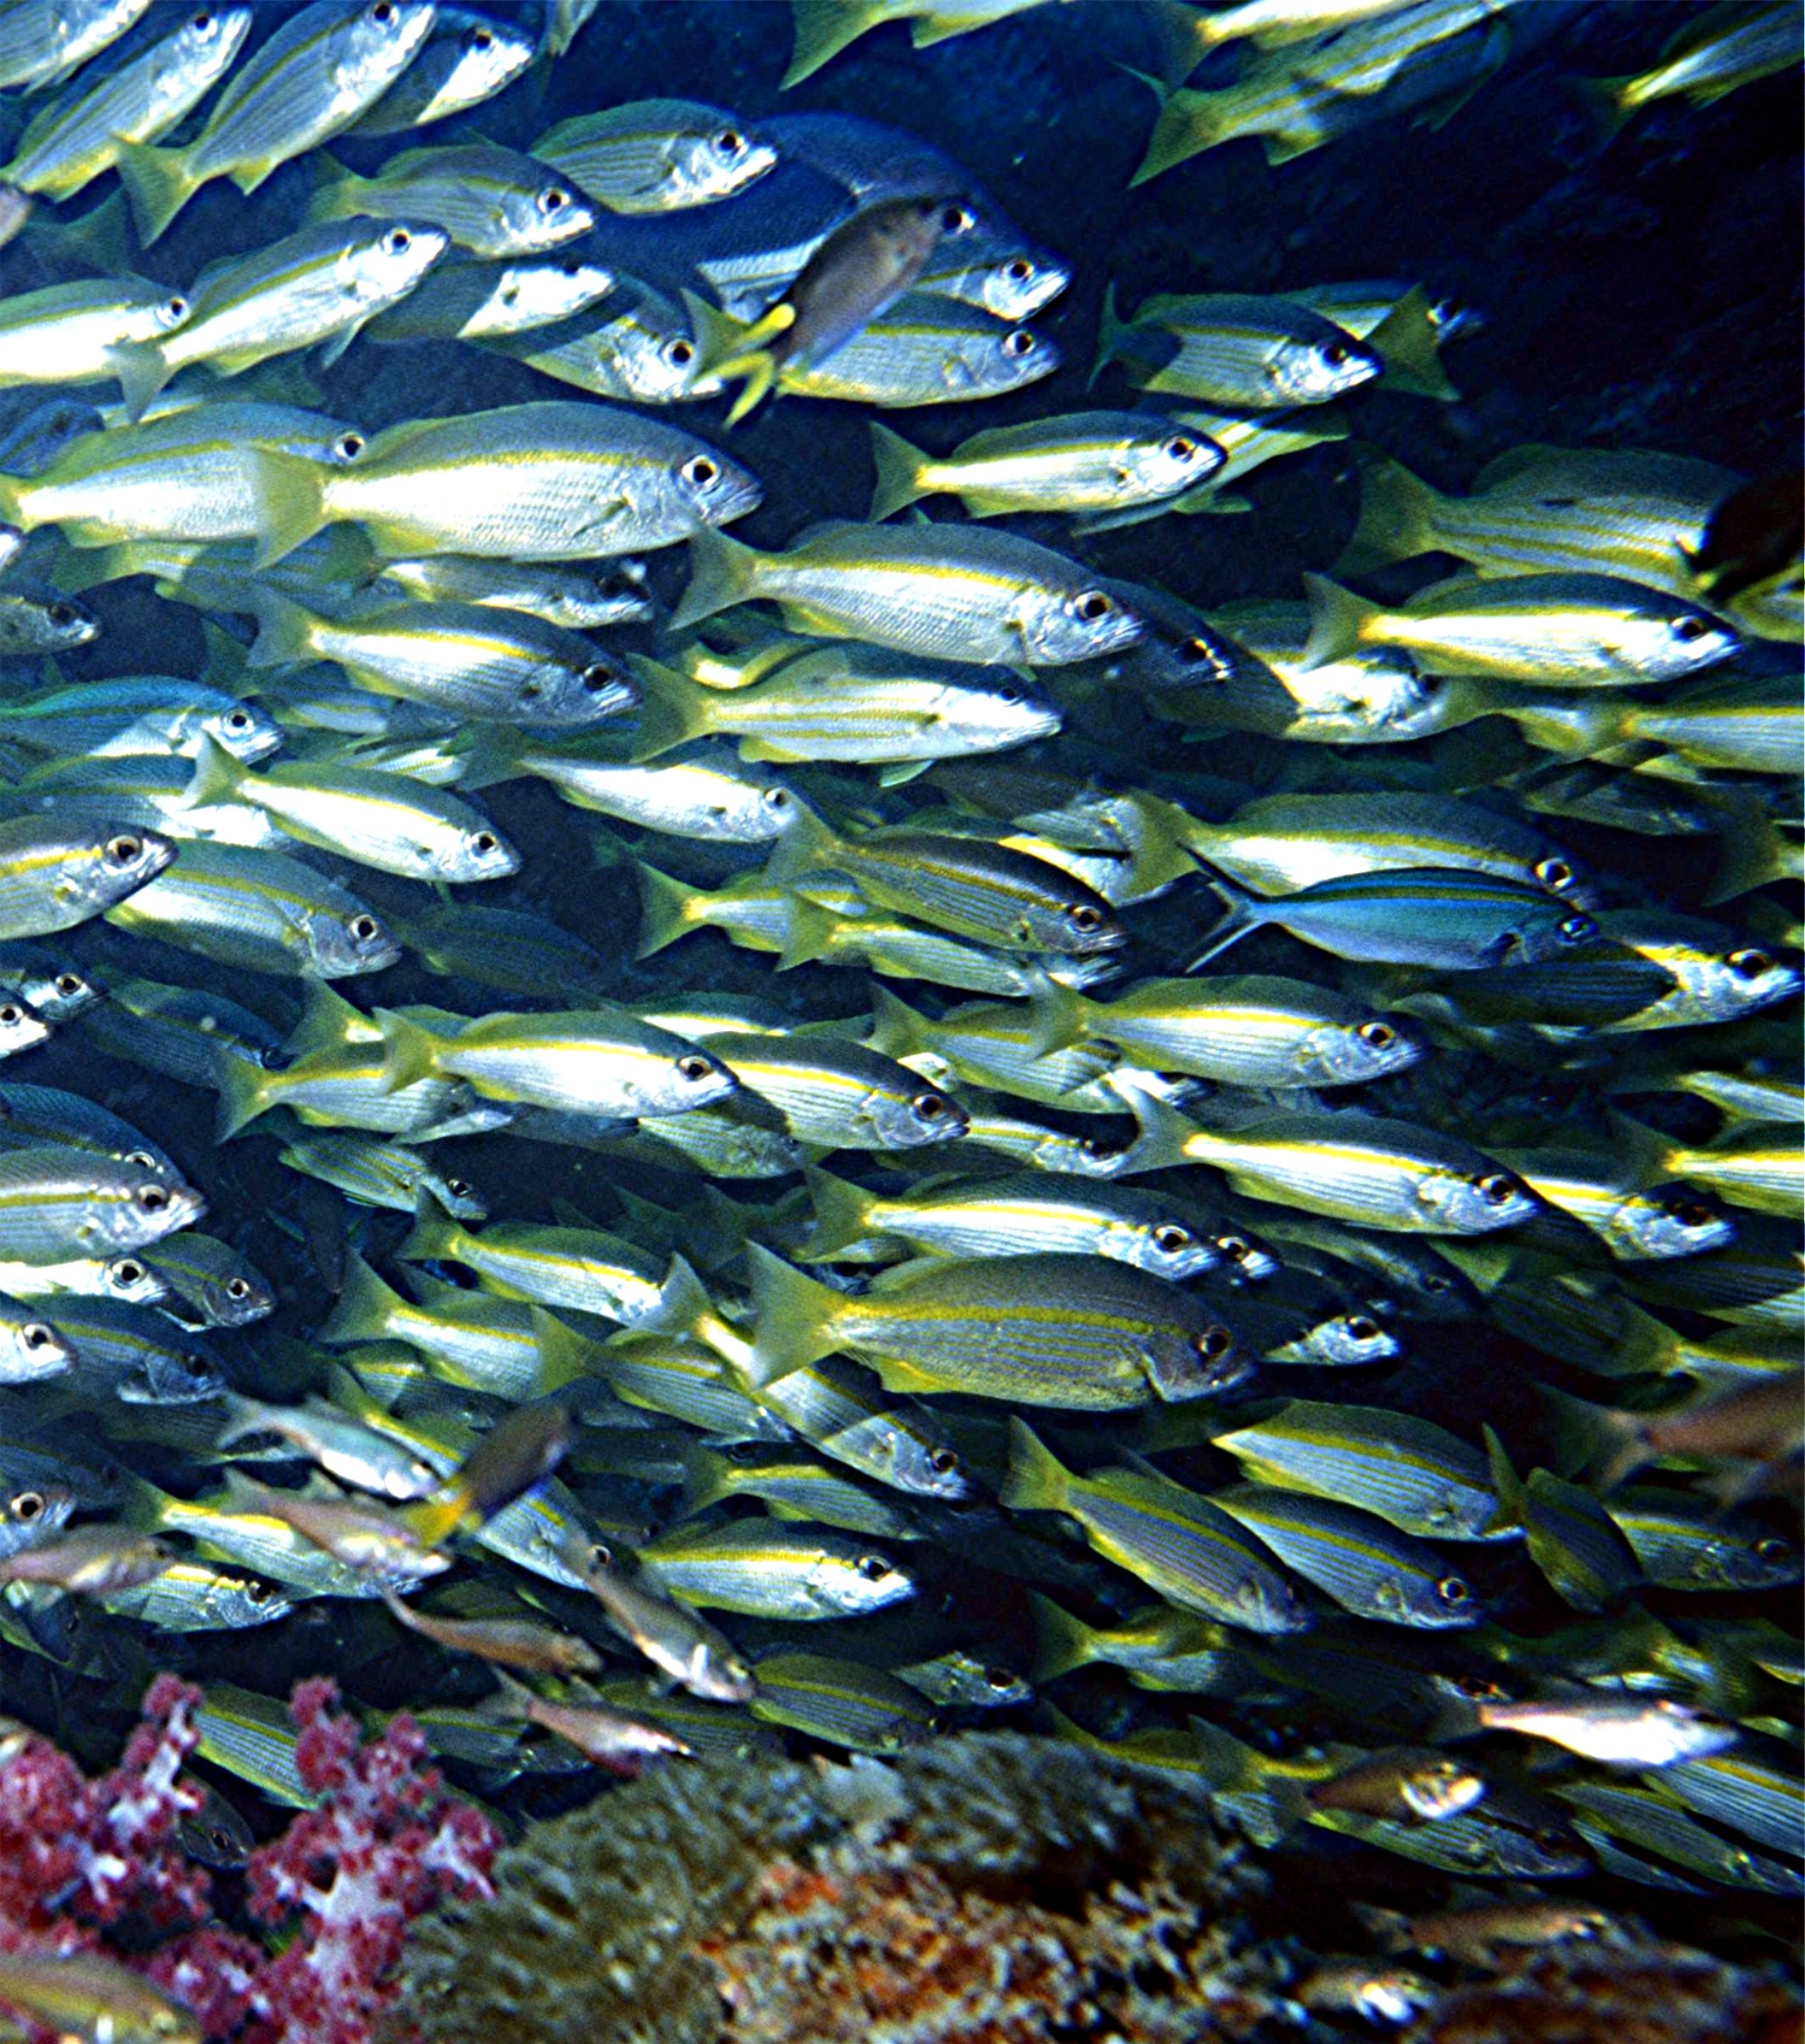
(880, 868)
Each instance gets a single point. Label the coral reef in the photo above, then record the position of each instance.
(97, 1866)
(1616, 1992)
(988, 1887)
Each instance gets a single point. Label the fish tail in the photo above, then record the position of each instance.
(10, 488)
(673, 709)
(729, 349)
(1398, 517)
(564, 1355)
(290, 496)
(243, 1096)
(808, 935)
(334, 190)
(823, 29)
(683, 1303)
(664, 911)
(243, 1417)
(158, 182)
(283, 630)
(896, 1031)
(217, 775)
(1163, 1132)
(364, 1305)
(433, 1238)
(98, 241)
(1055, 1014)
(410, 1053)
(1184, 37)
(328, 1023)
(703, 1485)
(142, 369)
(793, 1317)
(82, 568)
(1751, 850)
(1242, 914)
(1338, 620)
(1062, 1642)
(899, 470)
(1110, 329)
(1605, 103)
(1189, 123)
(1407, 342)
(1511, 1515)
(840, 1222)
(1036, 1480)
(722, 572)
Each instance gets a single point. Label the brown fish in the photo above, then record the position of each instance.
(540, 1650)
(518, 1451)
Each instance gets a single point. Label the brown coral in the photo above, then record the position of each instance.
(1615, 1993)
(987, 1890)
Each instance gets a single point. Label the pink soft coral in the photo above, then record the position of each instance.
(341, 1884)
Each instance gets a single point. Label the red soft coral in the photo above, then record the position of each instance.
(343, 1883)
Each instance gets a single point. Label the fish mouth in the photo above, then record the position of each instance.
(734, 498)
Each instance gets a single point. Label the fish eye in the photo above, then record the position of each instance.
(554, 199)
(459, 1189)
(152, 1198)
(63, 613)
(12, 1014)
(35, 1335)
(237, 720)
(729, 143)
(1555, 873)
(999, 1678)
(872, 1567)
(1749, 964)
(1180, 450)
(1690, 1213)
(1234, 1248)
(944, 1461)
(26, 1505)
(478, 39)
(1171, 1239)
(1097, 1150)
(1212, 1344)
(382, 11)
(1335, 354)
(776, 798)
(1772, 1549)
(680, 354)
(1577, 928)
(1549, 1839)
(595, 678)
(200, 23)
(397, 241)
(700, 471)
(695, 1068)
(1009, 693)
(69, 984)
(140, 1160)
(1380, 1036)
(1083, 916)
(175, 309)
(348, 447)
(957, 220)
(1019, 343)
(929, 1106)
(1365, 1330)
(365, 928)
(123, 849)
(1452, 1589)
(1690, 628)
(1495, 1188)
(485, 841)
(238, 1288)
(1093, 605)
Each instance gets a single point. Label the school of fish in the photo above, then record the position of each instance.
(1208, 1181)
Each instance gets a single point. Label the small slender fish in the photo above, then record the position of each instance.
(1621, 1733)
(540, 1650)
(676, 1640)
(609, 1738)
